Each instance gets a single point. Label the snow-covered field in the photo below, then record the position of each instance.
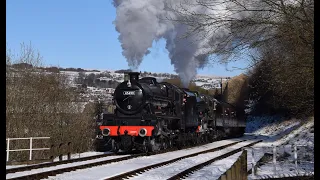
(205, 81)
(104, 90)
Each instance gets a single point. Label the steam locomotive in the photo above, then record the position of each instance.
(150, 116)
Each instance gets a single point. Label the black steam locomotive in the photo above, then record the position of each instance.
(151, 115)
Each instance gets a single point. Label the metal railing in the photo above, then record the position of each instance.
(277, 153)
(30, 146)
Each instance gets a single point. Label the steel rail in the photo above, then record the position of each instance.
(190, 170)
(41, 175)
(146, 168)
(50, 164)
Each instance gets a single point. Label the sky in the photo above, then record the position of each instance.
(81, 34)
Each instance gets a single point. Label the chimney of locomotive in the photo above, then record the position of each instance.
(134, 77)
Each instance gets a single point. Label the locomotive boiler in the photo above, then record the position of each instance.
(153, 115)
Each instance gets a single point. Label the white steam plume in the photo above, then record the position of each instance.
(140, 22)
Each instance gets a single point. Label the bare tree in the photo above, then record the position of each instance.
(278, 35)
(40, 103)
(243, 25)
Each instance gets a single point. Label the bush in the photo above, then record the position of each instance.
(39, 103)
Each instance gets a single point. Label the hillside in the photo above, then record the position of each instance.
(99, 85)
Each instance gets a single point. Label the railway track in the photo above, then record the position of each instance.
(190, 170)
(50, 164)
(186, 172)
(63, 168)
(68, 165)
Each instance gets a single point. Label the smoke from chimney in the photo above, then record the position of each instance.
(140, 22)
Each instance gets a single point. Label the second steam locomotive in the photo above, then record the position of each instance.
(151, 115)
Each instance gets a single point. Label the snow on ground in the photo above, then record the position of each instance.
(269, 125)
(34, 171)
(274, 130)
(282, 170)
(80, 155)
(287, 132)
(258, 154)
(216, 169)
(170, 170)
(114, 169)
(92, 72)
(282, 134)
(16, 166)
(209, 81)
(65, 157)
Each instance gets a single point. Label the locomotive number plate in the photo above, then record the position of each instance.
(129, 93)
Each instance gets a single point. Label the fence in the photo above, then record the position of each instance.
(55, 150)
(285, 159)
(238, 170)
(61, 150)
(30, 146)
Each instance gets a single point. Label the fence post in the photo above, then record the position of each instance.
(237, 165)
(60, 153)
(240, 164)
(69, 151)
(296, 157)
(274, 159)
(253, 162)
(244, 166)
(31, 149)
(8, 149)
(52, 152)
(30, 155)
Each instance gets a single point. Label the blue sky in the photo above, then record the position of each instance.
(80, 33)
